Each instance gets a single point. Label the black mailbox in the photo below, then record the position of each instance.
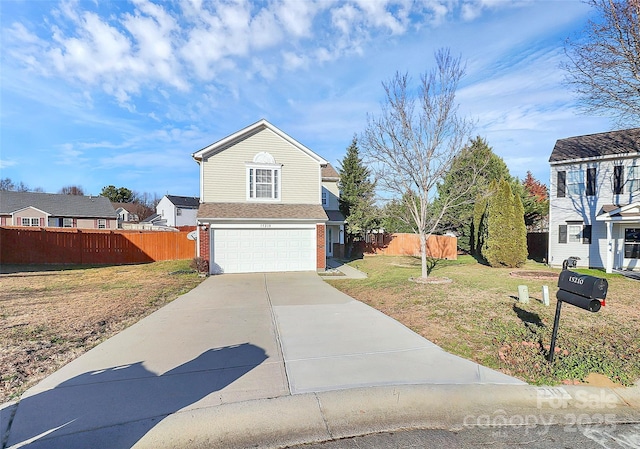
(581, 290)
(583, 285)
(592, 305)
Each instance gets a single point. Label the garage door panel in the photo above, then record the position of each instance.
(263, 250)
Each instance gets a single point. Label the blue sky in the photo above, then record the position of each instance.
(122, 93)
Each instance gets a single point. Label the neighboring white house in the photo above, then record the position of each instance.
(127, 213)
(262, 195)
(175, 211)
(594, 211)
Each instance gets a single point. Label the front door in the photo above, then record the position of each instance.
(631, 248)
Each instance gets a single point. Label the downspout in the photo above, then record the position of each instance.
(610, 255)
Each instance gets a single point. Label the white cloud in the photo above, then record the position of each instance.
(293, 61)
(157, 45)
(6, 163)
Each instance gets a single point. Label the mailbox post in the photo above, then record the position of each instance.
(581, 290)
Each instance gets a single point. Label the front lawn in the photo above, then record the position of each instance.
(478, 317)
(50, 316)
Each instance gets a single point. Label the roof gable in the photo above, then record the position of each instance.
(18, 211)
(329, 173)
(623, 142)
(58, 205)
(250, 130)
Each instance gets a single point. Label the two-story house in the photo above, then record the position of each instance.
(594, 212)
(178, 211)
(261, 204)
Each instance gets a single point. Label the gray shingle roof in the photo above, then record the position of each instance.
(596, 145)
(184, 201)
(334, 215)
(58, 205)
(262, 211)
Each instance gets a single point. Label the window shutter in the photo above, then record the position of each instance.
(586, 234)
(562, 234)
(618, 179)
(95, 223)
(591, 181)
(42, 222)
(75, 222)
(561, 184)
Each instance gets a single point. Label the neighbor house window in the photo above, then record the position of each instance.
(264, 183)
(632, 243)
(325, 198)
(574, 233)
(634, 178)
(618, 179)
(30, 221)
(67, 222)
(561, 185)
(575, 182)
(178, 211)
(591, 181)
(102, 223)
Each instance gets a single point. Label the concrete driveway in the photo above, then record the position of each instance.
(233, 338)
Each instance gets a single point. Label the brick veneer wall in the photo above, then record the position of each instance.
(321, 259)
(205, 251)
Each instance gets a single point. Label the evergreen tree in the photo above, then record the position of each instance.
(117, 194)
(459, 219)
(519, 251)
(499, 230)
(356, 194)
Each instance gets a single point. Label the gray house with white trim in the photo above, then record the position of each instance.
(594, 211)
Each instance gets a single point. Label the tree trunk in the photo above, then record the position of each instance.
(423, 254)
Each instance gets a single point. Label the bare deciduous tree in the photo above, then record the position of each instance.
(603, 66)
(414, 141)
(72, 190)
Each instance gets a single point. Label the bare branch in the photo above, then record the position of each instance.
(412, 144)
(603, 68)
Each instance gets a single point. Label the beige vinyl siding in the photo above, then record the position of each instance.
(225, 179)
(333, 193)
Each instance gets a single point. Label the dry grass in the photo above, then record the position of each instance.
(478, 316)
(48, 318)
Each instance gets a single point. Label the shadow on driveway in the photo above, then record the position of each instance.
(114, 408)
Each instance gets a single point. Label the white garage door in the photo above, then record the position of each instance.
(260, 250)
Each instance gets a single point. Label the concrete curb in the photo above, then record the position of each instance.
(317, 417)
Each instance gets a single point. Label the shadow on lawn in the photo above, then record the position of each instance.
(528, 318)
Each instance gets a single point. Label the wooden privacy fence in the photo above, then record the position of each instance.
(438, 246)
(91, 247)
(538, 246)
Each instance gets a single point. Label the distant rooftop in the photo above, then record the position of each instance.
(184, 201)
(57, 205)
(625, 141)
